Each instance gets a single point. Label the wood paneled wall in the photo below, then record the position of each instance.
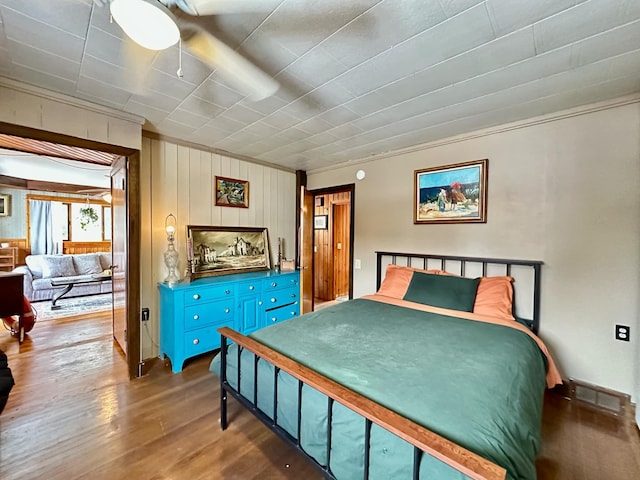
(331, 264)
(67, 247)
(33, 107)
(180, 180)
(21, 243)
(86, 247)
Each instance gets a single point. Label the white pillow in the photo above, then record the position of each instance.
(57, 266)
(34, 262)
(105, 260)
(86, 264)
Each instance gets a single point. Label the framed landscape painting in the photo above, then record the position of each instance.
(230, 192)
(451, 194)
(226, 250)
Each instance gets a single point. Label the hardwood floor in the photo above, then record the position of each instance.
(581, 444)
(74, 414)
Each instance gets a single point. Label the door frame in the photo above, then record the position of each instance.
(134, 361)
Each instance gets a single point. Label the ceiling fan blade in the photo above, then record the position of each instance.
(236, 69)
(135, 61)
(214, 7)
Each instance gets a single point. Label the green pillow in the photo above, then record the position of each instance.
(444, 291)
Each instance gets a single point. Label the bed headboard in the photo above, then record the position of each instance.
(526, 274)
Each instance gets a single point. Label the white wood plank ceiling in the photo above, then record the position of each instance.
(357, 77)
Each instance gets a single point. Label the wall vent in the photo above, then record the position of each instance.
(602, 399)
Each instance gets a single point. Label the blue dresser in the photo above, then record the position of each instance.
(191, 313)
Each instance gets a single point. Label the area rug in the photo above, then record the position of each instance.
(73, 306)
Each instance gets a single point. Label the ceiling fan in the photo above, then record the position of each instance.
(96, 194)
(152, 24)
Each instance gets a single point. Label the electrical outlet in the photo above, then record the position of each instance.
(623, 332)
(357, 264)
(145, 314)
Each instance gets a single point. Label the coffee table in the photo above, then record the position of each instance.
(69, 284)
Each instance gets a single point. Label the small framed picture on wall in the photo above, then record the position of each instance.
(320, 222)
(4, 205)
(230, 192)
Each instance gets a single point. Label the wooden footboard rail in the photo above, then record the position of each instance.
(423, 440)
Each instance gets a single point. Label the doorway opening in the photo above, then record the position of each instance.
(333, 211)
(128, 300)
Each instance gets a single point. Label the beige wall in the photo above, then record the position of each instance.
(564, 191)
(179, 180)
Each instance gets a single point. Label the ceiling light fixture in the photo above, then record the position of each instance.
(147, 22)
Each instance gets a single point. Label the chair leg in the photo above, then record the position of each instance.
(20, 330)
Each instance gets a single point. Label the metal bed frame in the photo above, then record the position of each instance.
(445, 261)
(422, 439)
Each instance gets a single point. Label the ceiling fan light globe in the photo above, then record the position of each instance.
(148, 23)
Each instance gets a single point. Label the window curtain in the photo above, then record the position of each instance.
(41, 227)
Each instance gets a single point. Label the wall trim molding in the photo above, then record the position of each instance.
(71, 101)
(530, 122)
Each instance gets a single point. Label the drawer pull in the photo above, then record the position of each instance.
(293, 295)
(251, 287)
(274, 284)
(196, 296)
(227, 292)
(274, 319)
(196, 317)
(196, 341)
(274, 300)
(293, 314)
(227, 310)
(260, 302)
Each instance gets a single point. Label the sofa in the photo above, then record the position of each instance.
(40, 269)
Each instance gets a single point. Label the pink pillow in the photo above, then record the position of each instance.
(397, 279)
(495, 297)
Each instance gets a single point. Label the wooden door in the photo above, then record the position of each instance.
(306, 250)
(341, 224)
(119, 251)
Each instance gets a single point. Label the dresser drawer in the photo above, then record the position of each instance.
(203, 314)
(201, 340)
(253, 287)
(278, 298)
(287, 281)
(206, 294)
(283, 313)
(191, 312)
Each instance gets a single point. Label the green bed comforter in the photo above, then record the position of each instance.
(477, 384)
